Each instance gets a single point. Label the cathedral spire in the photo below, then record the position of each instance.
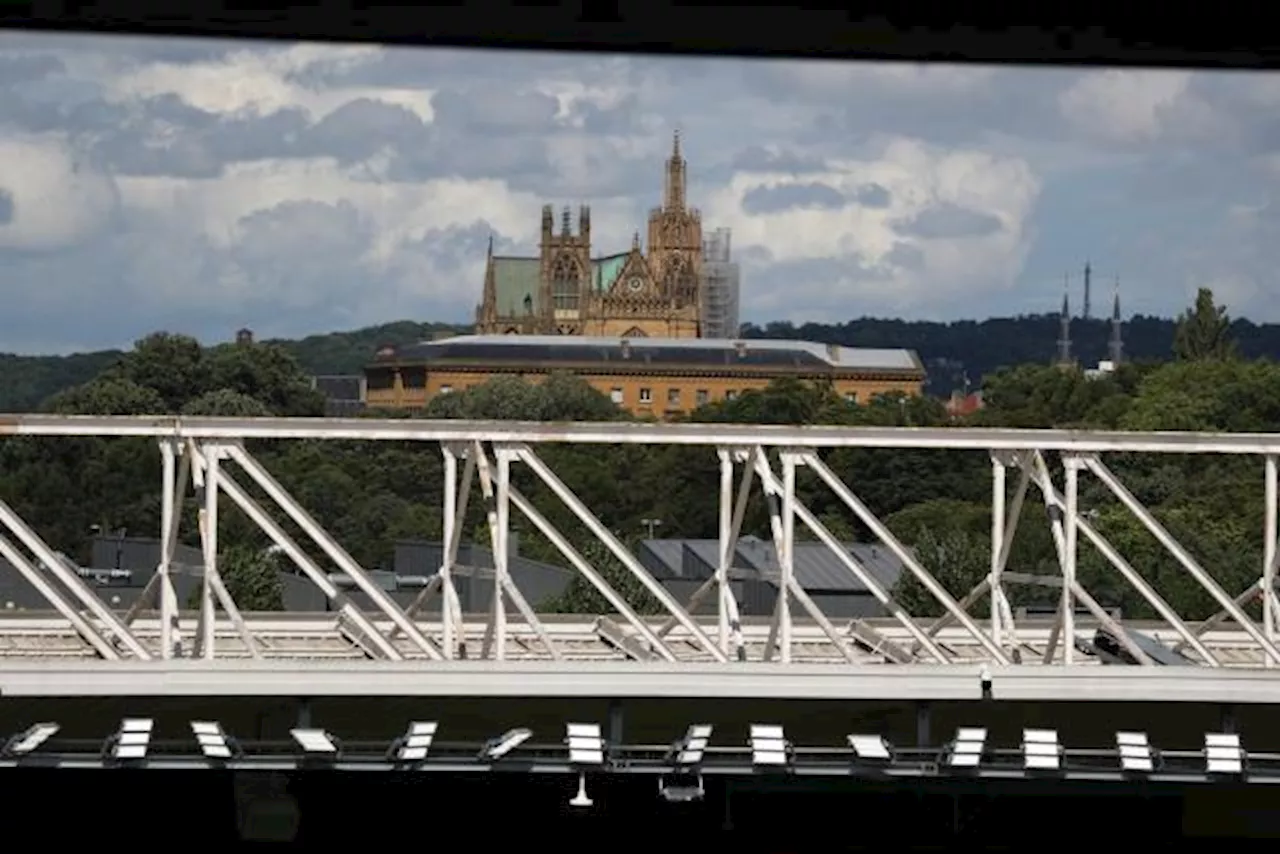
(1064, 329)
(1115, 347)
(635, 242)
(673, 190)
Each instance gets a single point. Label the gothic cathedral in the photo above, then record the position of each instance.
(564, 291)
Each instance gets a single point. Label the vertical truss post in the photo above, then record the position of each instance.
(786, 553)
(498, 512)
(1269, 535)
(904, 556)
(73, 583)
(1070, 540)
(998, 494)
(732, 514)
(175, 486)
(335, 552)
(209, 541)
(1054, 503)
(772, 493)
(1180, 554)
(457, 495)
(611, 542)
(213, 591)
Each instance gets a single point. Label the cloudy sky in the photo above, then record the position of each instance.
(201, 186)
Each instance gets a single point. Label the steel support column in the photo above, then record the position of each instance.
(1269, 536)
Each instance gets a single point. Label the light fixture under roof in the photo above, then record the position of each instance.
(414, 744)
(1135, 752)
(213, 741)
(968, 747)
(1222, 753)
(26, 742)
(133, 738)
(690, 749)
(586, 745)
(870, 747)
(769, 745)
(1040, 750)
(316, 742)
(496, 748)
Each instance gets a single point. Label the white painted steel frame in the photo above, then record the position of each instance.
(194, 450)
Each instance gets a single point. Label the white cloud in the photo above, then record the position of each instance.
(193, 185)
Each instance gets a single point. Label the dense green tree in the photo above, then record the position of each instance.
(581, 597)
(252, 579)
(1203, 331)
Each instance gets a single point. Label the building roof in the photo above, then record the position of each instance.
(815, 566)
(709, 352)
(516, 278)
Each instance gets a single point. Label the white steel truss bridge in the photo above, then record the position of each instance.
(84, 647)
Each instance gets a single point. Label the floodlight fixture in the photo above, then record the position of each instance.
(1223, 753)
(870, 748)
(769, 745)
(1135, 752)
(1041, 750)
(213, 740)
(26, 742)
(581, 800)
(689, 750)
(132, 739)
(496, 748)
(967, 749)
(414, 744)
(586, 745)
(681, 789)
(314, 742)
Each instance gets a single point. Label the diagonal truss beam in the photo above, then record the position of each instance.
(1181, 555)
(114, 628)
(628, 560)
(903, 555)
(335, 552)
(176, 476)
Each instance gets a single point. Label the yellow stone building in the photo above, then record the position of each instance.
(653, 377)
(635, 294)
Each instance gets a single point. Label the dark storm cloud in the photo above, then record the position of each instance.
(904, 256)
(948, 222)
(494, 109)
(762, 200)
(872, 196)
(757, 158)
(360, 128)
(16, 70)
(6, 206)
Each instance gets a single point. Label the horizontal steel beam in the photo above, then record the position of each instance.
(274, 678)
(747, 681)
(400, 430)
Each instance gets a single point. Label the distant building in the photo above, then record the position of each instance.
(343, 394)
(660, 377)
(683, 565)
(961, 405)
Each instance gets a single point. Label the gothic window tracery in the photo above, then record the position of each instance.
(565, 288)
(679, 282)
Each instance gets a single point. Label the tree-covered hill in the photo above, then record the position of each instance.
(957, 352)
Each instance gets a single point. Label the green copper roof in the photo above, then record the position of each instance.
(605, 271)
(515, 279)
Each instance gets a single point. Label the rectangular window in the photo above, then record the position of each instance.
(616, 395)
(446, 389)
(702, 396)
(673, 397)
(646, 395)
(730, 394)
(851, 396)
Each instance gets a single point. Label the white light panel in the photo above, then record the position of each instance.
(586, 746)
(314, 740)
(869, 747)
(33, 738)
(1135, 752)
(417, 741)
(507, 742)
(694, 744)
(212, 740)
(967, 749)
(768, 745)
(1222, 753)
(133, 739)
(1040, 749)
